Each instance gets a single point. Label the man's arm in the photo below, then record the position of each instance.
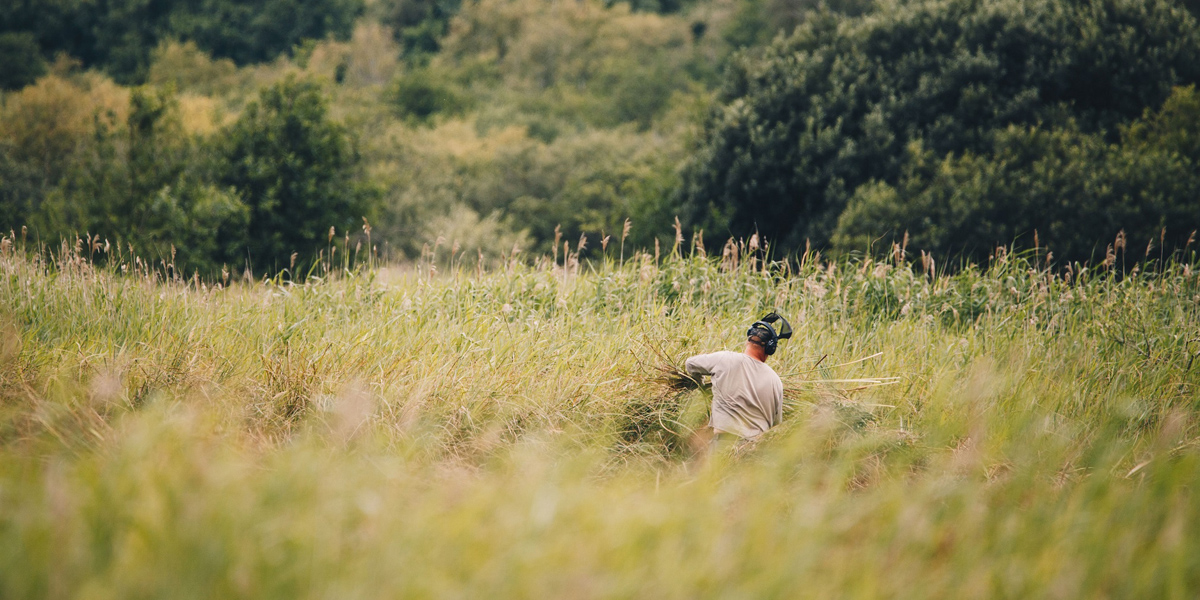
(701, 364)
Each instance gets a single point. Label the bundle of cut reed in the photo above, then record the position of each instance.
(673, 379)
(669, 376)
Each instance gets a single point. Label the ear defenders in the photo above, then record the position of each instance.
(766, 323)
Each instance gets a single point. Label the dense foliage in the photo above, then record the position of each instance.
(1072, 189)
(297, 172)
(498, 124)
(758, 22)
(149, 172)
(533, 116)
(417, 25)
(539, 119)
(22, 60)
(83, 159)
(119, 35)
(855, 106)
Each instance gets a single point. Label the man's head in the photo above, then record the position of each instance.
(757, 341)
(764, 334)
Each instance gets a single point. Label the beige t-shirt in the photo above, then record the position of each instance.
(747, 394)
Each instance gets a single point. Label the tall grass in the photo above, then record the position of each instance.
(499, 432)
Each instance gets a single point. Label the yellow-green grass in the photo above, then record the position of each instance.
(399, 433)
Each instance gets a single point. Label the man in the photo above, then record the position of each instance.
(747, 394)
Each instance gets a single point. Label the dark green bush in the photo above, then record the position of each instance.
(418, 25)
(421, 95)
(298, 172)
(20, 189)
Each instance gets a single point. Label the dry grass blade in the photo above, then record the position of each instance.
(870, 380)
(873, 385)
(816, 366)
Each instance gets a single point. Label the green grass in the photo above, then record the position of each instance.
(499, 434)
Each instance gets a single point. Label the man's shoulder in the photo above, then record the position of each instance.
(718, 355)
(769, 372)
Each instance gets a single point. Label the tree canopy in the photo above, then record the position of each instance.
(806, 123)
(119, 35)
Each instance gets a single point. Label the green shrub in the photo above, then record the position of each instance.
(146, 184)
(582, 184)
(417, 25)
(298, 172)
(21, 188)
(422, 95)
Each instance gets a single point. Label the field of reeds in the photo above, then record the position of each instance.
(450, 430)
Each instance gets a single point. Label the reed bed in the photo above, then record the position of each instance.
(525, 431)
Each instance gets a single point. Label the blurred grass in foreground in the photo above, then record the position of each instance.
(496, 434)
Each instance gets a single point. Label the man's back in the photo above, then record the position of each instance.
(747, 393)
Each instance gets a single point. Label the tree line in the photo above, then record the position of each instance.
(949, 126)
(118, 36)
(269, 184)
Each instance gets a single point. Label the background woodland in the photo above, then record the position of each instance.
(243, 136)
